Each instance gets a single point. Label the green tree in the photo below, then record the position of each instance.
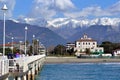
(108, 46)
(60, 50)
(87, 51)
(70, 51)
(7, 50)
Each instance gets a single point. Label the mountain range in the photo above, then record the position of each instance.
(17, 30)
(100, 29)
(62, 30)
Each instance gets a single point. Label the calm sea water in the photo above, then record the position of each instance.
(80, 71)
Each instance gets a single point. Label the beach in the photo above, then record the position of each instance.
(79, 60)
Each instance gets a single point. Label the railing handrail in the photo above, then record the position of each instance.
(4, 67)
(23, 62)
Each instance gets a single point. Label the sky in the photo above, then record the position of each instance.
(50, 9)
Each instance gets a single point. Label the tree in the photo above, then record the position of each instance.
(87, 51)
(60, 50)
(7, 50)
(108, 46)
(70, 51)
(50, 50)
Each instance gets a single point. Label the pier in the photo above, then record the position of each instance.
(23, 68)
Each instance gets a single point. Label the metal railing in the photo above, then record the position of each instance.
(4, 65)
(21, 64)
(16, 65)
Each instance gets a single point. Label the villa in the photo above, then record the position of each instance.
(86, 43)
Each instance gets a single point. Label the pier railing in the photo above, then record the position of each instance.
(22, 64)
(19, 68)
(4, 65)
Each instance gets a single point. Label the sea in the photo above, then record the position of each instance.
(80, 71)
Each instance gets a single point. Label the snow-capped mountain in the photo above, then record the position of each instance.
(34, 21)
(59, 22)
(100, 29)
(67, 27)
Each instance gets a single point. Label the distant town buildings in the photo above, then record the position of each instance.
(39, 48)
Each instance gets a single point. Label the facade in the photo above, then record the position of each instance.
(70, 46)
(87, 43)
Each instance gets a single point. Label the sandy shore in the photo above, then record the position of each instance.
(78, 60)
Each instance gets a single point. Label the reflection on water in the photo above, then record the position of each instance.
(80, 71)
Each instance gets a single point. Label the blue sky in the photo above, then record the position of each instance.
(49, 9)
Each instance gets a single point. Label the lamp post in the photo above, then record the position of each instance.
(37, 46)
(25, 37)
(12, 44)
(4, 8)
(33, 43)
(20, 46)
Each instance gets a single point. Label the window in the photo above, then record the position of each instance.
(96, 50)
(89, 43)
(83, 43)
(100, 50)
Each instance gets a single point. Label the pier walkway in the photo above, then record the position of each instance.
(23, 68)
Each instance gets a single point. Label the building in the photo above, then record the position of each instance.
(10, 45)
(116, 52)
(87, 43)
(70, 46)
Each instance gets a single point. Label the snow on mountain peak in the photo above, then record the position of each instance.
(66, 22)
(60, 22)
(16, 21)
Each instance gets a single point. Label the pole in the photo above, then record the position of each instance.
(12, 45)
(4, 8)
(33, 43)
(37, 46)
(4, 36)
(20, 46)
(25, 38)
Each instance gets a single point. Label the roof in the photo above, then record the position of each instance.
(85, 38)
(9, 44)
(116, 50)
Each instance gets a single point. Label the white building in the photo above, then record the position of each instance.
(70, 46)
(116, 52)
(87, 43)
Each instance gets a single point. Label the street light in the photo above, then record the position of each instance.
(25, 37)
(33, 43)
(4, 8)
(12, 44)
(37, 46)
(20, 46)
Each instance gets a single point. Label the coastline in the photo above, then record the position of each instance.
(79, 60)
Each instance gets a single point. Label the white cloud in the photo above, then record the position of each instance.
(96, 11)
(10, 4)
(50, 8)
(64, 4)
(115, 8)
